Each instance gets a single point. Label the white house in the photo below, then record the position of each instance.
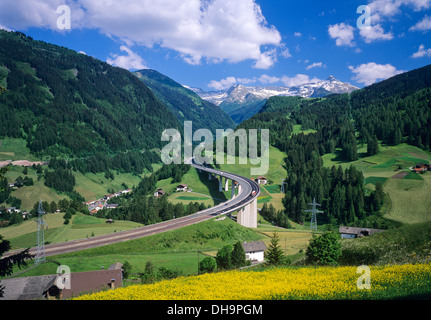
(182, 187)
(254, 250)
(261, 180)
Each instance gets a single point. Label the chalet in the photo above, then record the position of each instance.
(109, 196)
(12, 210)
(353, 232)
(182, 187)
(421, 168)
(255, 250)
(261, 180)
(111, 206)
(52, 286)
(159, 193)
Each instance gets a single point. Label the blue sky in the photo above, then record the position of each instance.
(213, 44)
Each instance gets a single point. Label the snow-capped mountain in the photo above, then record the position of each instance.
(242, 94)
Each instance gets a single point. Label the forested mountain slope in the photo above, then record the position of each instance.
(185, 104)
(68, 104)
(394, 111)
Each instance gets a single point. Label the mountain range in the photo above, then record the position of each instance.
(241, 102)
(185, 104)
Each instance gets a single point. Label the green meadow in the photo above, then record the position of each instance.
(81, 226)
(176, 250)
(408, 192)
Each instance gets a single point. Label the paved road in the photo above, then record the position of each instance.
(242, 199)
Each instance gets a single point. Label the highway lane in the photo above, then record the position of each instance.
(232, 205)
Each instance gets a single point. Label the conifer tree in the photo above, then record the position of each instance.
(274, 254)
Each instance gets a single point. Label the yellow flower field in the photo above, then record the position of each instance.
(281, 283)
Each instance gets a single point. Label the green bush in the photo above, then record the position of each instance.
(207, 265)
(324, 249)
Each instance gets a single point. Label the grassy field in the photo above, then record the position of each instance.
(93, 186)
(297, 128)
(291, 241)
(409, 196)
(15, 149)
(81, 226)
(177, 249)
(410, 243)
(29, 195)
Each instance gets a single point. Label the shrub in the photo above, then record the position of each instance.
(324, 249)
(207, 265)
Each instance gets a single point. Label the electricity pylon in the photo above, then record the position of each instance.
(40, 245)
(283, 182)
(314, 211)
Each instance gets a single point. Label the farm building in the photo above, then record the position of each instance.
(56, 286)
(421, 167)
(353, 232)
(159, 193)
(254, 250)
(182, 187)
(261, 180)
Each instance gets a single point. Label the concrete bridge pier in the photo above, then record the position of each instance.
(247, 216)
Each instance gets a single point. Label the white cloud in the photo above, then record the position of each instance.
(5, 28)
(130, 61)
(423, 25)
(374, 33)
(369, 73)
(266, 79)
(315, 65)
(285, 52)
(382, 9)
(298, 34)
(213, 30)
(223, 84)
(422, 52)
(266, 60)
(343, 34)
(297, 80)
(199, 30)
(23, 14)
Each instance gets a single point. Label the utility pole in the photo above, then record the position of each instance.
(198, 262)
